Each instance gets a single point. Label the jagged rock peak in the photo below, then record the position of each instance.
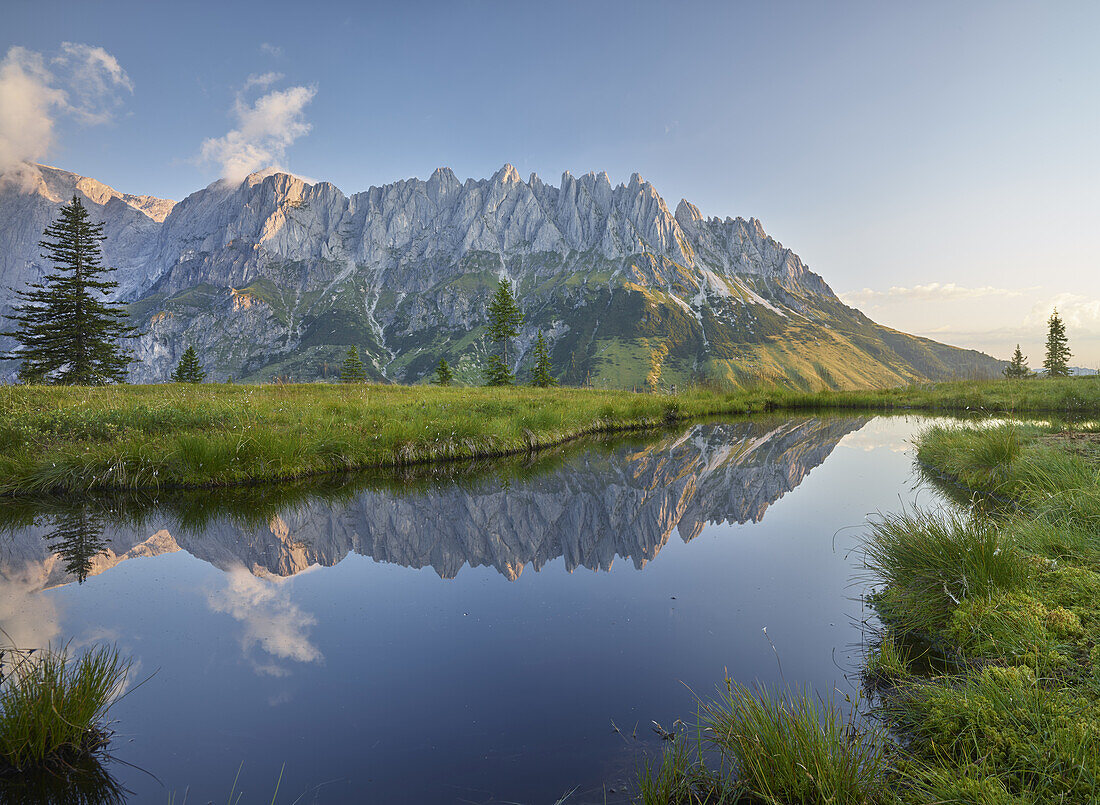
(687, 213)
(507, 175)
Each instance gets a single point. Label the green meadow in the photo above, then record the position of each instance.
(70, 439)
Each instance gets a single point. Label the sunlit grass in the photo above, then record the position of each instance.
(1012, 593)
(64, 439)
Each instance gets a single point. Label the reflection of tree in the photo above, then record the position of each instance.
(77, 537)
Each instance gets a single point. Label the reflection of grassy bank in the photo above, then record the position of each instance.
(150, 437)
(988, 670)
(53, 711)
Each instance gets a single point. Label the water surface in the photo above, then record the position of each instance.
(468, 638)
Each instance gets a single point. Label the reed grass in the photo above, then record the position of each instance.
(772, 747)
(795, 747)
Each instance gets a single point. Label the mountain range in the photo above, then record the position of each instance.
(278, 277)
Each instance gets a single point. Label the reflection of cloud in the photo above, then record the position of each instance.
(29, 617)
(932, 292)
(271, 620)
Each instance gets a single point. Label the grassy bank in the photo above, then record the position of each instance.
(1008, 597)
(66, 439)
(987, 672)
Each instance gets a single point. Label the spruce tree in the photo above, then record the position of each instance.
(67, 332)
(443, 376)
(1017, 367)
(1058, 354)
(505, 319)
(352, 370)
(189, 370)
(540, 374)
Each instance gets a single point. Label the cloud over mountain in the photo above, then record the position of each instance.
(83, 82)
(265, 128)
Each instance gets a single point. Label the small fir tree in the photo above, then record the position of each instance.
(189, 370)
(67, 332)
(443, 376)
(1058, 354)
(352, 370)
(505, 319)
(540, 374)
(1017, 367)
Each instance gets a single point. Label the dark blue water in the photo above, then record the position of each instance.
(470, 638)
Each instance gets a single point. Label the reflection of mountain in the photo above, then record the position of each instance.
(597, 505)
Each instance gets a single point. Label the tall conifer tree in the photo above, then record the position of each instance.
(67, 332)
(352, 370)
(1017, 367)
(505, 319)
(1056, 363)
(443, 375)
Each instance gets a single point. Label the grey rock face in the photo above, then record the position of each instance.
(275, 276)
(29, 201)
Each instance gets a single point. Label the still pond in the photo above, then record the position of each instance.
(473, 637)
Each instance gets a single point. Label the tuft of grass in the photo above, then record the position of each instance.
(929, 563)
(683, 778)
(887, 662)
(795, 747)
(53, 707)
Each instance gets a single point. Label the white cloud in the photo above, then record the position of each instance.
(29, 618)
(83, 82)
(261, 80)
(271, 50)
(272, 622)
(28, 104)
(94, 78)
(932, 292)
(264, 131)
(1076, 311)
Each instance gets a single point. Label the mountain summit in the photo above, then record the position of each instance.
(275, 276)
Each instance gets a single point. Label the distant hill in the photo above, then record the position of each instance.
(278, 277)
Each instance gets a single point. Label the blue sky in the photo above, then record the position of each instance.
(935, 162)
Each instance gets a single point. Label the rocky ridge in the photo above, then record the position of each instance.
(278, 277)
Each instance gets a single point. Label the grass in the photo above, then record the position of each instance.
(53, 707)
(773, 748)
(1012, 592)
(74, 439)
(928, 563)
